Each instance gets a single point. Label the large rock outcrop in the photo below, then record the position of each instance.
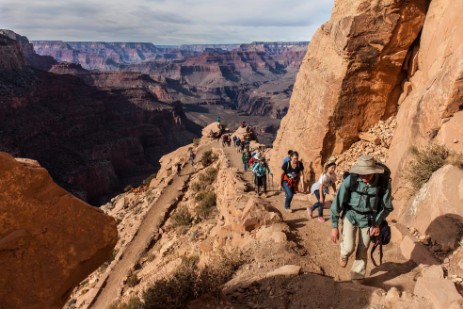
(49, 239)
(431, 103)
(350, 77)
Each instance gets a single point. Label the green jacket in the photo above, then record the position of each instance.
(357, 206)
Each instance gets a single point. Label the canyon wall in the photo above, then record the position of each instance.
(350, 77)
(93, 138)
(49, 239)
(255, 78)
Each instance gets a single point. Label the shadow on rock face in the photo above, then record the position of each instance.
(443, 235)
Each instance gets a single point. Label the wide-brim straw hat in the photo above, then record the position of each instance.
(366, 165)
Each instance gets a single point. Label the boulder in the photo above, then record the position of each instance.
(370, 137)
(433, 271)
(287, 270)
(350, 77)
(437, 209)
(451, 133)
(441, 292)
(49, 239)
(417, 252)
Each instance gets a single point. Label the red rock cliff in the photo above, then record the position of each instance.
(350, 77)
(49, 239)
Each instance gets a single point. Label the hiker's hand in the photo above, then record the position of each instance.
(374, 231)
(334, 234)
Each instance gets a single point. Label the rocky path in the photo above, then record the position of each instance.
(112, 286)
(317, 252)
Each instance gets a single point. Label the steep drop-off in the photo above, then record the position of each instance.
(93, 139)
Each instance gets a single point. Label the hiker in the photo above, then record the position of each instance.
(178, 167)
(322, 187)
(245, 157)
(217, 119)
(191, 156)
(247, 143)
(364, 197)
(243, 124)
(237, 143)
(288, 157)
(260, 171)
(290, 178)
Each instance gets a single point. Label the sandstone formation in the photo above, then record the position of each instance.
(49, 239)
(95, 133)
(433, 95)
(350, 77)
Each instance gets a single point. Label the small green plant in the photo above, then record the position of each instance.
(181, 217)
(133, 303)
(429, 159)
(132, 279)
(196, 141)
(207, 201)
(207, 158)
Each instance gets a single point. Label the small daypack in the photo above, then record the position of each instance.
(383, 239)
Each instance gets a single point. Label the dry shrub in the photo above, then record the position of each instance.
(429, 159)
(209, 176)
(207, 202)
(133, 303)
(196, 141)
(205, 180)
(207, 158)
(132, 279)
(181, 217)
(189, 282)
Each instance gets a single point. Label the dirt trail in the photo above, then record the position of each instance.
(112, 286)
(317, 252)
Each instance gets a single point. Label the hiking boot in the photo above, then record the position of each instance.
(310, 212)
(343, 261)
(321, 219)
(288, 210)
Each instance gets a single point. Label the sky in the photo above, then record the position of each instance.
(165, 21)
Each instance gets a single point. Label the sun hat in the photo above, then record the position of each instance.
(366, 165)
(259, 156)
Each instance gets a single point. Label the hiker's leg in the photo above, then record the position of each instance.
(361, 256)
(264, 180)
(348, 238)
(316, 205)
(288, 193)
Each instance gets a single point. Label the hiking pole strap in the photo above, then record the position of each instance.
(371, 254)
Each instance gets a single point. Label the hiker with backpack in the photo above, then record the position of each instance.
(290, 178)
(260, 171)
(245, 157)
(322, 187)
(191, 156)
(364, 199)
